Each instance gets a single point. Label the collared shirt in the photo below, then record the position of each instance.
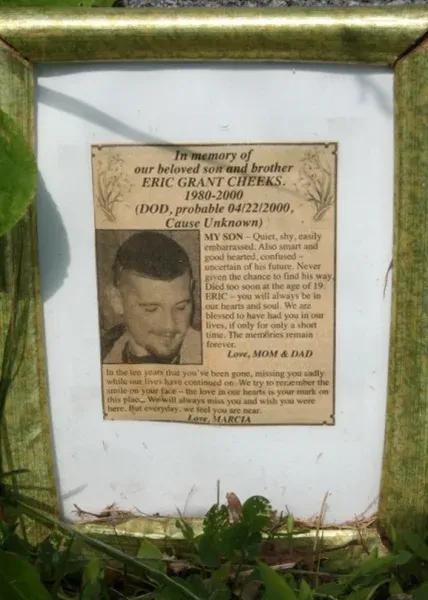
(190, 352)
(128, 357)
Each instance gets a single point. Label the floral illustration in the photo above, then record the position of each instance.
(112, 184)
(316, 182)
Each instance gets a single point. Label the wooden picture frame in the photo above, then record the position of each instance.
(391, 37)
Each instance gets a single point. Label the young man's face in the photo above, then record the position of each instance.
(157, 313)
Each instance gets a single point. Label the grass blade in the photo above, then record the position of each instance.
(137, 565)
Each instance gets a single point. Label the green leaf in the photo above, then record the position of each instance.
(276, 587)
(360, 594)
(366, 593)
(416, 544)
(208, 552)
(240, 539)
(218, 584)
(18, 173)
(395, 588)
(290, 579)
(257, 513)
(150, 551)
(402, 558)
(19, 580)
(167, 593)
(375, 565)
(197, 585)
(135, 564)
(185, 528)
(330, 589)
(290, 524)
(91, 583)
(45, 559)
(216, 520)
(253, 547)
(421, 593)
(221, 575)
(305, 592)
(215, 525)
(61, 564)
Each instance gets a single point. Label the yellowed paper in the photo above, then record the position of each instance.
(216, 282)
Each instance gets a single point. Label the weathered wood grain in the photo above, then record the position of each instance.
(372, 35)
(25, 436)
(404, 495)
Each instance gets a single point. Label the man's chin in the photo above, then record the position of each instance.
(164, 354)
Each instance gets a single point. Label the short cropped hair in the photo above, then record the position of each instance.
(151, 254)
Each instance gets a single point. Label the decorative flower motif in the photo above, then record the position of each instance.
(315, 182)
(112, 184)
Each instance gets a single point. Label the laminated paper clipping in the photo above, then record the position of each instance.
(216, 282)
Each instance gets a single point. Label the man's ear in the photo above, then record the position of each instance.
(115, 299)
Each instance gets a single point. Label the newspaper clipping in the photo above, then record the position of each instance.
(216, 282)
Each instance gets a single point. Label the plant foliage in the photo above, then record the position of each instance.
(227, 561)
(18, 174)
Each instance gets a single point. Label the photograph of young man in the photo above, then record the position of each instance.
(153, 293)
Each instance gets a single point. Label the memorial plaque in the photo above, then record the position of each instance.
(216, 282)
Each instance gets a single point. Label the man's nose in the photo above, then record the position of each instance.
(169, 320)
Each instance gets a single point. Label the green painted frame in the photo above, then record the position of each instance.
(370, 36)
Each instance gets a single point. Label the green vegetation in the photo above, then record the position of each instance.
(246, 553)
(18, 174)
